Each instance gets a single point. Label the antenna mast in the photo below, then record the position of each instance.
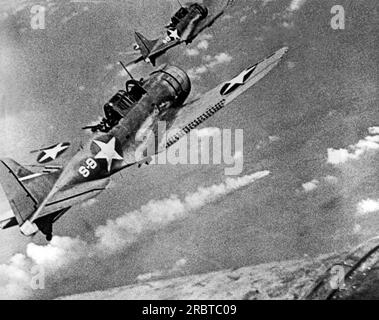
(126, 69)
(180, 4)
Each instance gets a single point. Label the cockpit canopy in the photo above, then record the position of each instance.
(184, 11)
(135, 89)
(123, 100)
(181, 13)
(177, 17)
(119, 105)
(202, 10)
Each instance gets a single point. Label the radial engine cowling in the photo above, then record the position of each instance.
(177, 79)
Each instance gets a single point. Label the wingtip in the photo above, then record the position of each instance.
(284, 50)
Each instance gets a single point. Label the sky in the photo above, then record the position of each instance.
(311, 141)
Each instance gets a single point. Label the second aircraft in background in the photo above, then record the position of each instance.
(186, 24)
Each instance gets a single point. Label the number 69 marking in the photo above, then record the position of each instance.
(90, 164)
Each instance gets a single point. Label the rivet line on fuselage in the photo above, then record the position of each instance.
(206, 115)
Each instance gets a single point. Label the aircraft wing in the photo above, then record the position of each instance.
(156, 53)
(192, 115)
(164, 47)
(135, 61)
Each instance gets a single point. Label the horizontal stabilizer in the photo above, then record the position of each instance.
(21, 201)
(145, 45)
(21, 190)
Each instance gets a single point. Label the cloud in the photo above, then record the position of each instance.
(291, 65)
(287, 16)
(243, 19)
(177, 267)
(66, 261)
(288, 25)
(89, 203)
(205, 36)
(274, 138)
(354, 152)
(357, 228)
(16, 276)
(373, 130)
(121, 232)
(192, 52)
(227, 17)
(220, 59)
(331, 179)
(310, 186)
(295, 5)
(211, 62)
(109, 66)
(367, 206)
(203, 45)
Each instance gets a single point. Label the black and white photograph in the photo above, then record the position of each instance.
(196, 150)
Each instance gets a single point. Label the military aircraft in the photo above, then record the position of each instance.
(186, 24)
(35, 200)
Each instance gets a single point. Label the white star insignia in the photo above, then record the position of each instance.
(108, 152)
(53, 152)
(239, 80)
(174, 34)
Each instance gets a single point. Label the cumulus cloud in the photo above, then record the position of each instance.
(202, 45)
(310, 186)
(287, 16)
(192, 52)
(177, 267)
(274, 138)
(210, 63)
(65, 260)
(357, 228)
(354, 152)
(227, 17)
(291, 65)
(367, 206)
(205, 36)
(295, 5)
(373, 130)
(288, 25)
(243, 19)
(121, 232)
(331, 179)
(16, 276)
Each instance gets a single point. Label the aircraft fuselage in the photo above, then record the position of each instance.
(186, 27)
(88, 172)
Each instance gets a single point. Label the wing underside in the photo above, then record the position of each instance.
(214, 100)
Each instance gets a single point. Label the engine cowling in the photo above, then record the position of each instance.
(176, 79)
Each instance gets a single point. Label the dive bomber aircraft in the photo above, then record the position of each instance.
(35, 200)
(186, 24)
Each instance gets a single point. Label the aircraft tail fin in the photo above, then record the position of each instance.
(145, 45)
(21, 192)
